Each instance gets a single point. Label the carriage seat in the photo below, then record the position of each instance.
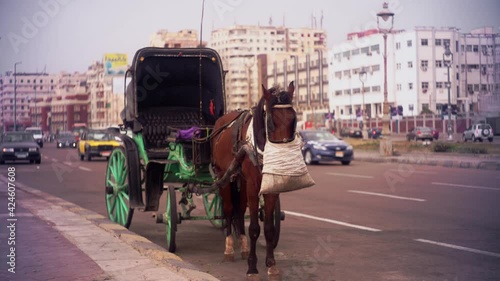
(158, 125)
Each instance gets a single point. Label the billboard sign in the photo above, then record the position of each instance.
(115, 63)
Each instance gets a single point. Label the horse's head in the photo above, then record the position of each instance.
(275, 111)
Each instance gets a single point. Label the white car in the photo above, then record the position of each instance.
(37, 135)
(478, 132)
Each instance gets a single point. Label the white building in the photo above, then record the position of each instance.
(31, 87)
(186, 38)
(240, 45)
(417, 72)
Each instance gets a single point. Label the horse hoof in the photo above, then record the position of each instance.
(228, 258)
(273, 273)
(253, 277)
(244, 255)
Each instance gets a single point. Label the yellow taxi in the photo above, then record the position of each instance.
(96, 143)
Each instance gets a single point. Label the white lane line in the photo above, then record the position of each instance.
(85, 169)
(459, 247)
(466, 186)
(350, 175)
(414, 172)
(332, 221)
(45, 157)
(67, 163)
(387, 195)
(54, 159)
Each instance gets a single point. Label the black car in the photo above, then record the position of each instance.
(324, 146)
(374, 133)
(17, 146)
(66, 139)
(351, 132)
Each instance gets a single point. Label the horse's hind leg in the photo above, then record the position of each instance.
(245, 250)
(225, 193)
(269, 232)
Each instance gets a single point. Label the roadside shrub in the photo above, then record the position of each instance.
(473, 149)
(442, 147)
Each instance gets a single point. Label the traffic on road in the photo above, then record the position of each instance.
(377, 221)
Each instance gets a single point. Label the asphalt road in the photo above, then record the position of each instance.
(366, 221)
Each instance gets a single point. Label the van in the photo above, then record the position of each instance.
(37, 134)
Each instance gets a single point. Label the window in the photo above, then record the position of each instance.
(410, 86)
(439, 85)
(338, 74)
(424, 42)
(424, 63)
(483, 87)
(375, 48)
(409, 43)
(356, 90)
(447, 42)
(475, 49)
(398, 45)
(347, 92)
(338, 93)
(376, 89)
(425, 85)
(439, 63)
(398, 65)
(438, 42)
(399, 87)
(365, 50)
(476, 87)
(347, 73)
(355, 52)
(469, 48)
(375, 67)
(410, 64)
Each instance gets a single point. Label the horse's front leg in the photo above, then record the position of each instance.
(253, 232)
(269, 232)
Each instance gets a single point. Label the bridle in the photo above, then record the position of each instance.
(279, 106)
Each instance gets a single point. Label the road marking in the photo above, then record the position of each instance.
(54, 159)
(67, 163)
(350, 175)
(46, 157)
(332, 221)
(85, 169)
(414, 172)
(466, 186)
(459, 247)
(387, 195)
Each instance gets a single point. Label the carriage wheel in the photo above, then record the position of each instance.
(117, 189)
(171, 219)
(213, 208)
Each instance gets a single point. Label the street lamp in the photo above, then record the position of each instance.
(448, 59)
(15, 94)
(388, 18)
(362, 78)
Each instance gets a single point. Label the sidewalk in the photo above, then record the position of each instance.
(57, 240)
(455, 160)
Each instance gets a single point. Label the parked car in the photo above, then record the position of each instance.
(420, 133)
(96, 143)
(66, 139)
(17, 146)
(351, 132)
(374, 133)
(435, 133)
(37, 135)
(324, 146)
(478, 132)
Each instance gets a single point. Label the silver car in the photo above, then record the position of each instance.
(478, 132)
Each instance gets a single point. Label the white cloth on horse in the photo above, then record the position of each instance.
(284, 168)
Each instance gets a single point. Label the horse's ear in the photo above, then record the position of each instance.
(291, 88)
(267, 94)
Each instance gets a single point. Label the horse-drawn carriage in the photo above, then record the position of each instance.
(172, 106)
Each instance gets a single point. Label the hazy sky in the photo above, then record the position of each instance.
(71, 34)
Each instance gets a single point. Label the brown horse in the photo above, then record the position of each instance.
(273, 119)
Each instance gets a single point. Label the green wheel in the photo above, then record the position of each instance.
(171, 219)
(117, 189)
(213, 208)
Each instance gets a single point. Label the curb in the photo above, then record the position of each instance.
(140, 244)
(422, 160)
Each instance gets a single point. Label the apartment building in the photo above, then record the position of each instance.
(417, 72)
(310, 75)
(240, 46)
(31, 87)
(186, 38)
